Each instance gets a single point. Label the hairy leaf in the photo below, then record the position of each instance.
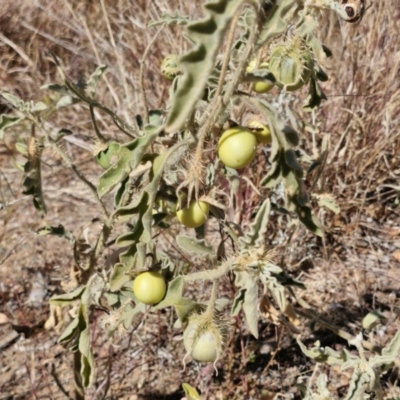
(256, 236)
(172, 19)
(194, 246)
(94, 80)
(247, 298)
(7, 121)
(276, 24)
(65, 299)
(198, 63)
(57, 231)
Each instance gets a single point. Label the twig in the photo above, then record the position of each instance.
(58, 382)
(96, 128)
(275, 352)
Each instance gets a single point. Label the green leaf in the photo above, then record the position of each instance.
(65, 299)
(256, 236)
(119, 276)
(276, 24)
(183, 306)
(87, 358)
(94, 80)
(57, 231)
(389, 353)
(15, 101)
(194, 246)
(7, 121)
(71, 332)
(326, 200)
(190, 392)
(128, 158)
(199, 62)
(37, 107)
(247, 297)
(55, 87)
(66, 101)
(315, 95)
(291, 135)
(171, 19)
(293, 164)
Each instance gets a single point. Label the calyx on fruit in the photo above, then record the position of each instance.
(204, 337)
(169, 67)
(105, 153)
(291, 64)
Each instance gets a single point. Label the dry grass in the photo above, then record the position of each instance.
(355, 269)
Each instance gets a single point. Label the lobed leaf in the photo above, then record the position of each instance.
(198, 63)
(194, 246)
(7, 121)
(172, 19)
(256, 236)
(246, 298)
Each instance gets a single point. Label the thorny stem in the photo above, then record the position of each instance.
(214, 274)
(220, 103)
(213, 297)
(141, 75)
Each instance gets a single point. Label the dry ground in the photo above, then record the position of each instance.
(356, 268)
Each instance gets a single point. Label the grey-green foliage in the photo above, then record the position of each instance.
(255, 237)
(7, 121)
(174, 297)
(253, 265)
(247, 299)
(322, 390)
(77, 334)
(69, 97)
(277, 21)
(367, 370)
(32, 184)
(194, 246)
(172, 19)
(285, 166)
(137, 241)
(198, 63)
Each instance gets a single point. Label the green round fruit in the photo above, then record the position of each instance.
(195, 215)
(105, 157)
(203, 348)
(291, 67)
(237, 147)
(260, 131)
(149, 287)
(262, 86)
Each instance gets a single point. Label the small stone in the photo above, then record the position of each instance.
(3, 319)
(396, 255)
